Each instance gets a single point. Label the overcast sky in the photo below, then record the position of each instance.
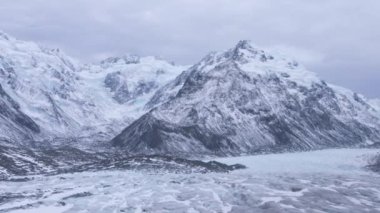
(338, 39)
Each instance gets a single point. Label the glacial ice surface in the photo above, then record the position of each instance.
(334, 180)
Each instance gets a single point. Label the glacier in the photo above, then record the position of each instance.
(67, 99)
(289, 182)
(242, 130)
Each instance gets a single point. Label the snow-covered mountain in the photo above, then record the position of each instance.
(245, 100)
(67, 99)
(375, 103)
(13, 122)
(238, 101)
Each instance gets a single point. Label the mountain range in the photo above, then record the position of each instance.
(66, 99)
(239, 101)
(246, 100)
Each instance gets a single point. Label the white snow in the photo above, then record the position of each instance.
(281, 65)
(323, 161)
(44, 209)
(252, 63)
(320, 181)
(67, 98)
(375, 103)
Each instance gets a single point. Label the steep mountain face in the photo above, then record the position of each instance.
(14, 122)
(36, 78)
(246, 100)
(67, 99)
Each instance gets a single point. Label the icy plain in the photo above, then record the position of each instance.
(333, 180)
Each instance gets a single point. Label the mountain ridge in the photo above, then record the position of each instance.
(69, 99)
(240, 100)
(244, 100)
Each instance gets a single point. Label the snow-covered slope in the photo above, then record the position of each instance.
(36, 78)
(238, 101)
(128, 81)
(67, 99)
(245, 100)
(375, 103)
(14, 123)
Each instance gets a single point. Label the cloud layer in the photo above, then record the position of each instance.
(340, 39)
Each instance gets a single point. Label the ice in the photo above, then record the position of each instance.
(324, 161)
(44, 209)
(320, 181)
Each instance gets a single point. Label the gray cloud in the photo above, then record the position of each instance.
(338, 39)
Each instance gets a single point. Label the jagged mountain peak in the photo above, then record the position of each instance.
(244, 58)
(66, 98)
(244, 100)
(33, 55)
(244, 44)
(130, 59)
(121, 60)
(254, 61)
(245, 50)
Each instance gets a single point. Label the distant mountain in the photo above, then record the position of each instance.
(234, 102)
(247, 100)
(56, 113)
(63, 98)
